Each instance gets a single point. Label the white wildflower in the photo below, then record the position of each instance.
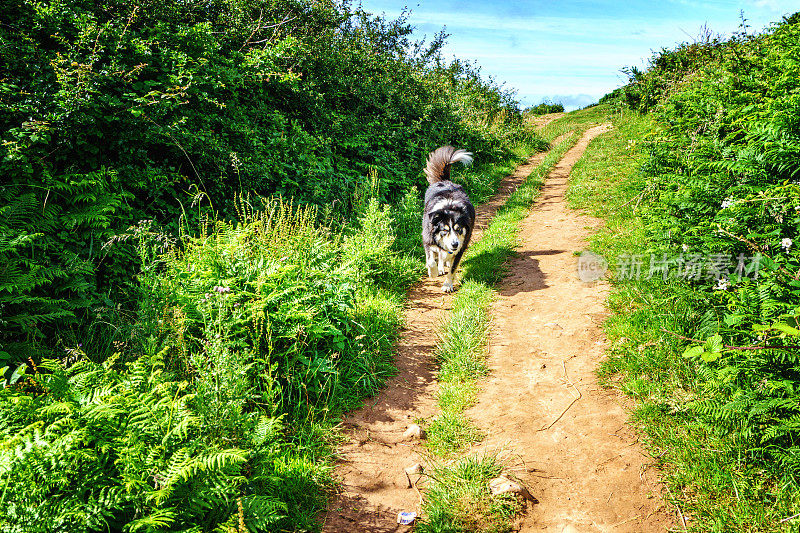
(235, 161)
(685, 247)
(722, 284)
(786, 243)
(727, 202)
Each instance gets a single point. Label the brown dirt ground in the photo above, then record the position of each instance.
(586, 469)
(542, 403)
(541, 121)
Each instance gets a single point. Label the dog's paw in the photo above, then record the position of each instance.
(448, 287)
(442, 271)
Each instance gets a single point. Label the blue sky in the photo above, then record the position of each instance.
(572, 50)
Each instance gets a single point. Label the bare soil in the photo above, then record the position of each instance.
(541, 403)
(573, 447)
(541, 121)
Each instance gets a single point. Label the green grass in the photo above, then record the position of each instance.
(710, 478)
(575, 121)
(457, 499)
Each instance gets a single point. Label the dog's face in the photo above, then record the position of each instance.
(449, 230)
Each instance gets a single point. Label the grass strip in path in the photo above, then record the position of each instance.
(461, 349)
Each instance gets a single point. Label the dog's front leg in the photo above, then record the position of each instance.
(443, 262)
(448, 282)
(430, 262)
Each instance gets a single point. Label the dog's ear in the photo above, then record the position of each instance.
(435, 217)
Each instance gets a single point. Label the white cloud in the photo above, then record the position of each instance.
(781, 7)
(569, 51)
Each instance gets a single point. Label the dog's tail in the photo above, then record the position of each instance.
(439, 161)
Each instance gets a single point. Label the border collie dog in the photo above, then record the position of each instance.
(448, 217)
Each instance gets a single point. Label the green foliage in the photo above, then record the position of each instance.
(114, 113)
(51, 249)
(543, 109)
(251, 337)
(711, 171)
(721, 180)
(126, 447)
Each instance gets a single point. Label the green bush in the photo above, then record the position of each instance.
(718, 188)
(116, 112)
(544, 108)
(250, 336)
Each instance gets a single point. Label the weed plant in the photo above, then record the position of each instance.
(720, 178)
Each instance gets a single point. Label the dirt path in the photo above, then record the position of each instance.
(585, 468)
(542, 402)
(372, 463)
(543, 120)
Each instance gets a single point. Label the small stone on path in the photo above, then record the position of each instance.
(414, 432)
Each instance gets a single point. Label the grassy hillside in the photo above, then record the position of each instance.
(209, 217)
(699, 185)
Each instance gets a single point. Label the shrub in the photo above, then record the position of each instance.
(719, 180)
(544, 108)
(115, 112)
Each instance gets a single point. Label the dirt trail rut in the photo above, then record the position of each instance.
(542, 402)
(586, 468)
(371, 465)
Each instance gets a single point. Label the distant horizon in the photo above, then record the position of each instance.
(573, 52)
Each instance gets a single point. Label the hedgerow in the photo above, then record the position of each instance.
(719, 200)
(209, 218)
(116, 112)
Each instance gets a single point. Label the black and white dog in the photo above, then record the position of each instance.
(448, 217)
